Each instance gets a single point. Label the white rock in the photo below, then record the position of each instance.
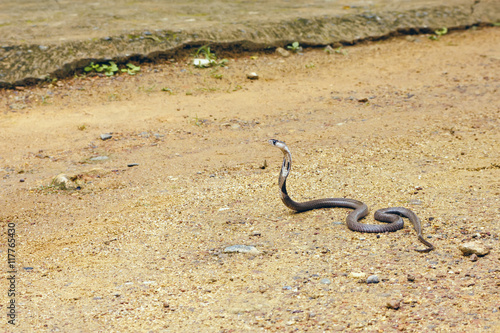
(201, 62)
(253, 76)
(282, 52)
(475, 247)
(241, 249)
(61, 181)
(357, 275)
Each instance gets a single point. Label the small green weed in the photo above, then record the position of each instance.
(168, 90)
(198, 121)
(131, 69)
(339, 50)
(295, 47)
(112, 68)
(438, 33)
(209, 57)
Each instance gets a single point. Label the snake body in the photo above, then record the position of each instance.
(392, 215)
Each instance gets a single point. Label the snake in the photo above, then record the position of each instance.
(392, 216)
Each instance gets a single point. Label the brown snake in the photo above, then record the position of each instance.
(389, 215)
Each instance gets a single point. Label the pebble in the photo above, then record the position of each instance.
(282, 52)
(241, 249)
(61, 181)
(99, 158)
(473, 257)
(357, 275)
(325, 281)
(393, 304)
(474, 247)
(201, 62)
(132, 164)
(253, 76)
(106, 136)
(372, 279)
(411, 278)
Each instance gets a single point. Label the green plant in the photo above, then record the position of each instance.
(339, 50)
(210, 58)
(112, 68)
(215, 74)
(205, 52)
(295, 47)
(131, 69)
(438, 33)
(198, 121)
(167, 90)
(109, 70)
(147, 90)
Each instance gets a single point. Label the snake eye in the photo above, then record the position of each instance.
(273, 142)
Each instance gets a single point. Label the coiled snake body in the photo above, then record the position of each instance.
(392, 215)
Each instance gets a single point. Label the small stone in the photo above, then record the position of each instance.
(43, 47)
(132, 164)
(252, 76)
(357, 275)
(325, 281)
(99, 158)
(474, 248)
(61, 181)
(201, 63)
(473, 257)
(106, 136)
(393, 304)
(372, 279)
(282, 52)
(22, 180)
(241, 249)
(411, 278)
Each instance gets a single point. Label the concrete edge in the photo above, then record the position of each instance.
(23, 65)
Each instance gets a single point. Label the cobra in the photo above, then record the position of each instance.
(392, 215)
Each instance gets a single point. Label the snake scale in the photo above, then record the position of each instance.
(392, 215)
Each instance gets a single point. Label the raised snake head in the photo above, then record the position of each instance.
(287, 160)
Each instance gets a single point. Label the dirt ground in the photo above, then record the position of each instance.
(403, 122)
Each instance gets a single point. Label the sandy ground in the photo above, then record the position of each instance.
(404, 122)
